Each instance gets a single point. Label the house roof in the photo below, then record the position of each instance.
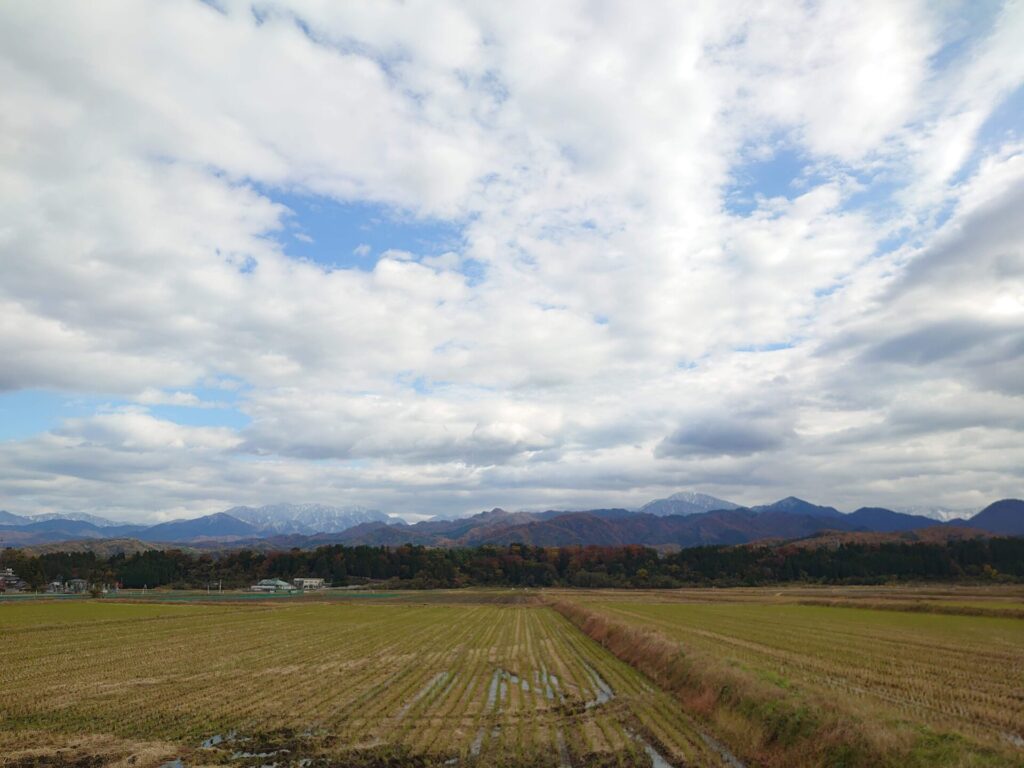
(273, 583)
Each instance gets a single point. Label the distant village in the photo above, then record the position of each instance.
(296, 585)
(11, 583)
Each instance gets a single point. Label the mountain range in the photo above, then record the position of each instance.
(681, 520)
(306, 519)
(6, 518)
(230, 525)
(789, 518)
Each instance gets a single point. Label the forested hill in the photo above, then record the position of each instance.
(993, 559)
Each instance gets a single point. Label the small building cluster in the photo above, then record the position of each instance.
(9, 581)
(69, 587)
(76, 587)
(272, 585)
(279, 585)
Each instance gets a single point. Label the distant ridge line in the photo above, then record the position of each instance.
(310, 525)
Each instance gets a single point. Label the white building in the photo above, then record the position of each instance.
(304, 583)
(272, 585)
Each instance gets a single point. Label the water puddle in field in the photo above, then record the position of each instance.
(549, 681)
(492, 692)
(564, 761)
(277, 749)
(435, 681)
(218, 739)
(730, 759)
(451, 684)
(605, 693)
(497, 693)
(478, 742)
(173, 764)
(658, 760)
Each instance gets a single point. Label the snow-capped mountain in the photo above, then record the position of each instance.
(686, 503)
(306, 518)
(937, 513)
(7, 518)
(83, 517)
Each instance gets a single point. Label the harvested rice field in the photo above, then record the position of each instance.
(334, 683)
(559, 678)
(895, 682)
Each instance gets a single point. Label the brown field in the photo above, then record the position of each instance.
(347, 683)
(801, 676)
(848, 676)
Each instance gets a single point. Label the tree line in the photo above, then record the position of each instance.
(409, 566)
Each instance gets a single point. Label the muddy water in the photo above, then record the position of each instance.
(605, 693)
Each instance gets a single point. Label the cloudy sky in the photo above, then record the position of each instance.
(437, 257)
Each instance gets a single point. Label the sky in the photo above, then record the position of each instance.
(437, 257)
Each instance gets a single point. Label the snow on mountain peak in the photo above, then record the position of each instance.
(686, 503)
(306, 519)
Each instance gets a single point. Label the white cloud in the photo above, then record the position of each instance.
(607, 328)
(845, 77)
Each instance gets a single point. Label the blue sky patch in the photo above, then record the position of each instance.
(875, 197)
(782, 175)
(31, 411)
(967, 24)
(774, 346)
(218, 407)
(1002, 125)
(226, 416)
(354, 235)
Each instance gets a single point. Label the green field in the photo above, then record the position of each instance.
(561, 678)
